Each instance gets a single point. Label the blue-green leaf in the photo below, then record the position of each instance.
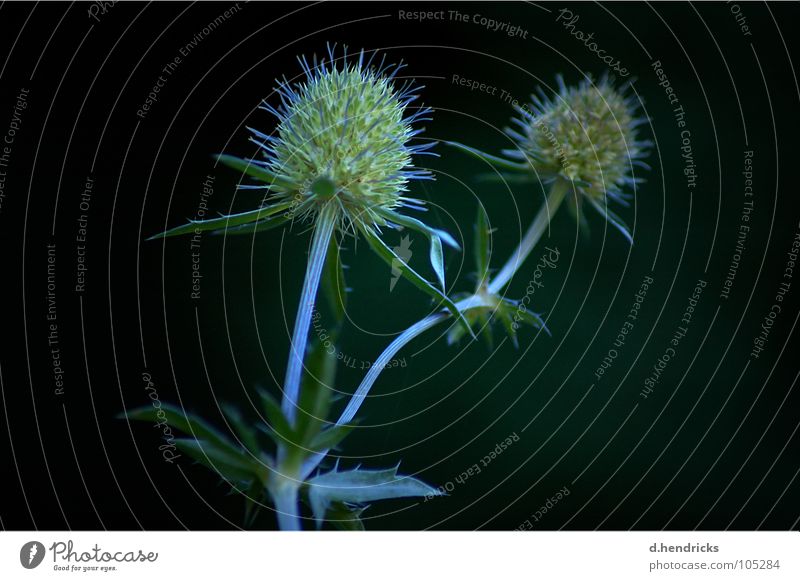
(361, 486)
(390, 257)
(223, 222)
(256, 169)
(437, 260)
(187, 423)
(420, 226)
(253, 227)
(493, 160)
(436, 237)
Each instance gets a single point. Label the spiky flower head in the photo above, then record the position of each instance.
(584, 137)
(585, 134)
(344, 135)
(340, 157)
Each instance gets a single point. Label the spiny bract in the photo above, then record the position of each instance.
(585, 134)
(343, 134)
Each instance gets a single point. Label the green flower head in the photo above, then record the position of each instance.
(584, 138)
(585, 135)
(344, 135)
(341, 158)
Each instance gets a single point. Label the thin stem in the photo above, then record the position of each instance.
(287, 509)
(316, 260)
(540, 223)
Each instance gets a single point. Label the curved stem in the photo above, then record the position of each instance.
(400, 341)
(323, 231)
(540, 223)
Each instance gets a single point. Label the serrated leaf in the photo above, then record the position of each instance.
(230, 221)
(392, 259)
(493, 160)
(187, 423)
(361, 486)
(235, 467)
(255, 169)
(455, 334)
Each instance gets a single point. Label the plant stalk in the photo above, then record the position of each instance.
(540, 224)
(323, 231)
(288, 508)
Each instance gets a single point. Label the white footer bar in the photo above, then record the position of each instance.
(620, 556)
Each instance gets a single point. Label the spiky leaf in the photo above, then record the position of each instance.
(255, 169)
(392, 259)
(229, 222)
(187, 423)
(435, 237)
(360, 486)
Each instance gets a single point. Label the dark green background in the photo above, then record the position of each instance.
(732, 447)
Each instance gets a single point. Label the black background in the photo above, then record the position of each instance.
(714, 447)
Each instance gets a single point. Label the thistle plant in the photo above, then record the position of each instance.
(341, 159)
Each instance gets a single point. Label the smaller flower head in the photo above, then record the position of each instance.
(585, 135)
